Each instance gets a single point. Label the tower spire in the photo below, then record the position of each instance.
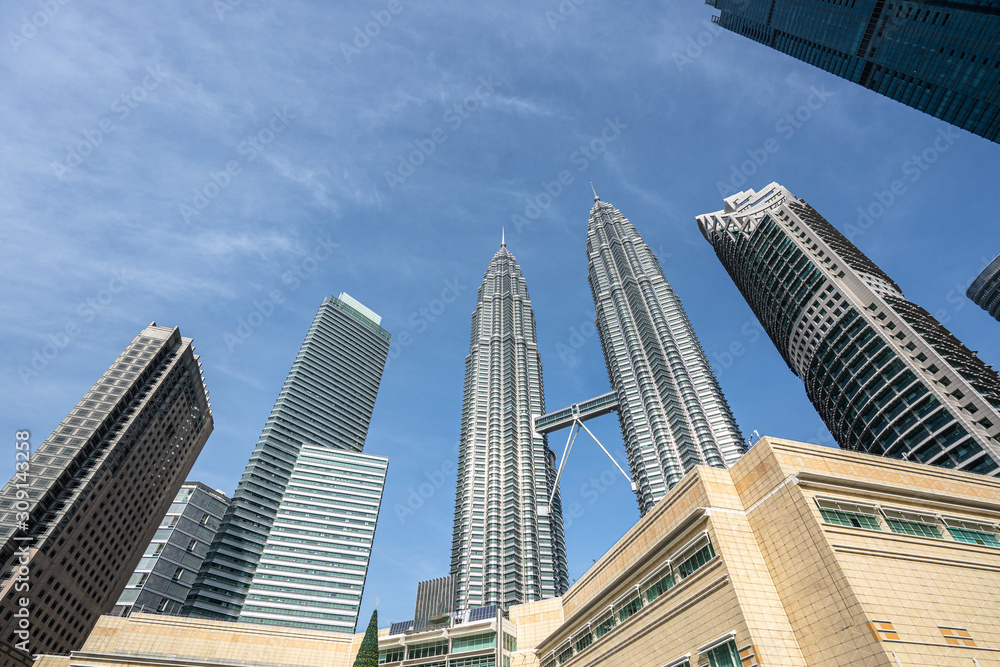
(596, 198)
(503, 240)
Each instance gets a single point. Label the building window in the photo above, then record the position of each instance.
(661, 586)
(604, 626)
(628, 608)
(725, 655)
(474, 642)
(971, 532)
(882, 630)
(957, 636)
(565, 655)
(848, 514)
(584, 641)
(696, 560)
(509, 642)
(912, 523)
(428, 650)
(391, 655)
(477, 661)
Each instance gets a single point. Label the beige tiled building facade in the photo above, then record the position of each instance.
(799, 555)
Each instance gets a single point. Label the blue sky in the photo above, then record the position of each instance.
(195, 158)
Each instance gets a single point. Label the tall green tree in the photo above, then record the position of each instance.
(368, 653)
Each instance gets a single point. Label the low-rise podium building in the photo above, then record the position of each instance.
(797, 556)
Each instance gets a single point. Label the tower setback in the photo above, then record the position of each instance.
(505, 550)
(672, 412)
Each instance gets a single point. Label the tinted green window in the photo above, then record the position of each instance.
(661, 586)
(724, 656)
(429, 649)
(699, 558)
(850, 519)
(974, 536)
(390, 655)
(918, 528)
(584, 641)
(604, 627)
(630, 608)
(474, 642)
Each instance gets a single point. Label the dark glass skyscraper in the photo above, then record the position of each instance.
(942, 58)
(672, 412)
(985, 289)
(505, 551)
(75, 519)
(886, 377)
(294, 543)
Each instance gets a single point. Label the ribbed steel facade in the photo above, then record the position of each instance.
(940, 58)
(985, 289)
(504, 551)
(884, 375)
(672, 413)
(326, 401)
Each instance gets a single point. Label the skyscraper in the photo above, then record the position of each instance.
(886, 377)
(985, 289)
(504, 550)
(331, 504)
(171, 561)
(672, 412)
(75, 520)
(326, 403)
(940, 58)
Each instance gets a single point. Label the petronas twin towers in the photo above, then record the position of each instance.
(508, 545)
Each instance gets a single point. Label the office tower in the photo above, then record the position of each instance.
(75, 520)
(505, 551)
(672, 412)
(311, 573)
(985, 289)
(886, 377)
(325, 403)
(943, 59)
(171, 561)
